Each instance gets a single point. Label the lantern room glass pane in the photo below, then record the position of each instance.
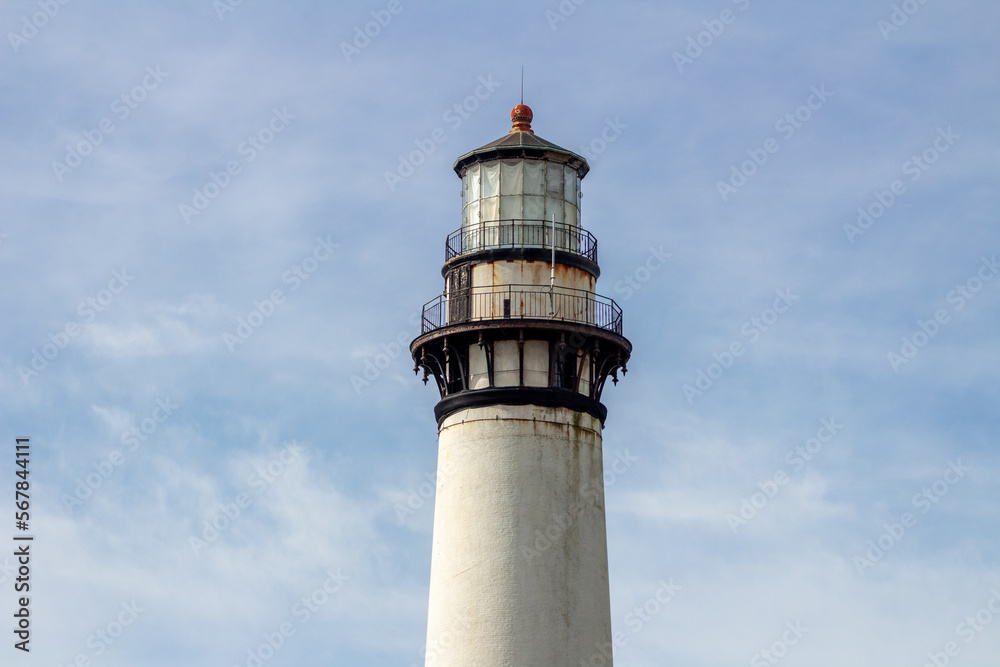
(511, 177)
(534, 207)
(490, 208)
(554, 180)
(570, 218)
(571, 179)
(534, 177)
(491, 179)
(510, 207)
(473, 212)
(554, 207)
(473, 174)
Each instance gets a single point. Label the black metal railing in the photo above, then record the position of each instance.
(520, 234)
(522, 302)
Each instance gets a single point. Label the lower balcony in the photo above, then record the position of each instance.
(521, 302)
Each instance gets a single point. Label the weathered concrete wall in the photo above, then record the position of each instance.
(523, 272)
(519, 570)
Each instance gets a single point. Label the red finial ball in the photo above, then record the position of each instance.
(521, 117)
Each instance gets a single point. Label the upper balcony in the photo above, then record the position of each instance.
(520, 234)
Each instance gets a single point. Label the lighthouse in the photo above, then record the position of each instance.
(520, 347)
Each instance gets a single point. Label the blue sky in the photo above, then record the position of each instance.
(741, 138)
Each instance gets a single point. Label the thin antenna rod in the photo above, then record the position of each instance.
(552, 274)
(522, 84)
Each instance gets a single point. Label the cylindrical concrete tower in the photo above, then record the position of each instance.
(520, 347)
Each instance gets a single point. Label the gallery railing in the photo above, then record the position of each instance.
(498, 234)
(522, 302)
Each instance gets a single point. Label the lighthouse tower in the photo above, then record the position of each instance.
(520, 346)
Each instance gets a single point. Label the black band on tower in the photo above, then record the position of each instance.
(543, 396)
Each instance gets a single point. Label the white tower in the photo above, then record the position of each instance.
(520, 347)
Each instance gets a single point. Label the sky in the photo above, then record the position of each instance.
(221, 219)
